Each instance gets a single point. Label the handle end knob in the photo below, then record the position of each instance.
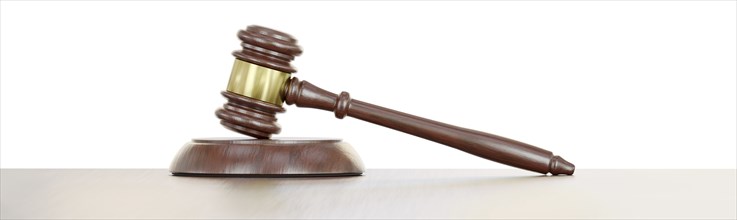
(560, 166)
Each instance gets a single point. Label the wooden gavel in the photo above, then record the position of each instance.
(261, 80)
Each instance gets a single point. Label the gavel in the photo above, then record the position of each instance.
(261, 81)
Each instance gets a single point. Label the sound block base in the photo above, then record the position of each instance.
(285, 157)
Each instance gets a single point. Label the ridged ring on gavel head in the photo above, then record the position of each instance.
(267, 47)
(251, 108)
(249, 116)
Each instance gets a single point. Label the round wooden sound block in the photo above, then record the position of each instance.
(284, 157)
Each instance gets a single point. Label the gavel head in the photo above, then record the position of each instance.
(256, 88)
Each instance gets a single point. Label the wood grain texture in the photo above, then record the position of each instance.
(282, 157)
(378, 194)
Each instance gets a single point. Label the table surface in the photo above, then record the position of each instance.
(398, 194)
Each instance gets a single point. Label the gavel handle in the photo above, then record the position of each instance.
(485, 145)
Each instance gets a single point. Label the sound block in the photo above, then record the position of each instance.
(284, 157)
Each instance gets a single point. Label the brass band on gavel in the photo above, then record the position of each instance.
(257, 82)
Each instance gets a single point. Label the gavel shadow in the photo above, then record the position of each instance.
(386, 179)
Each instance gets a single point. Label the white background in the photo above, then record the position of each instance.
(605, 84)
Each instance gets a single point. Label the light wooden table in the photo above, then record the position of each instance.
(398, 194)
